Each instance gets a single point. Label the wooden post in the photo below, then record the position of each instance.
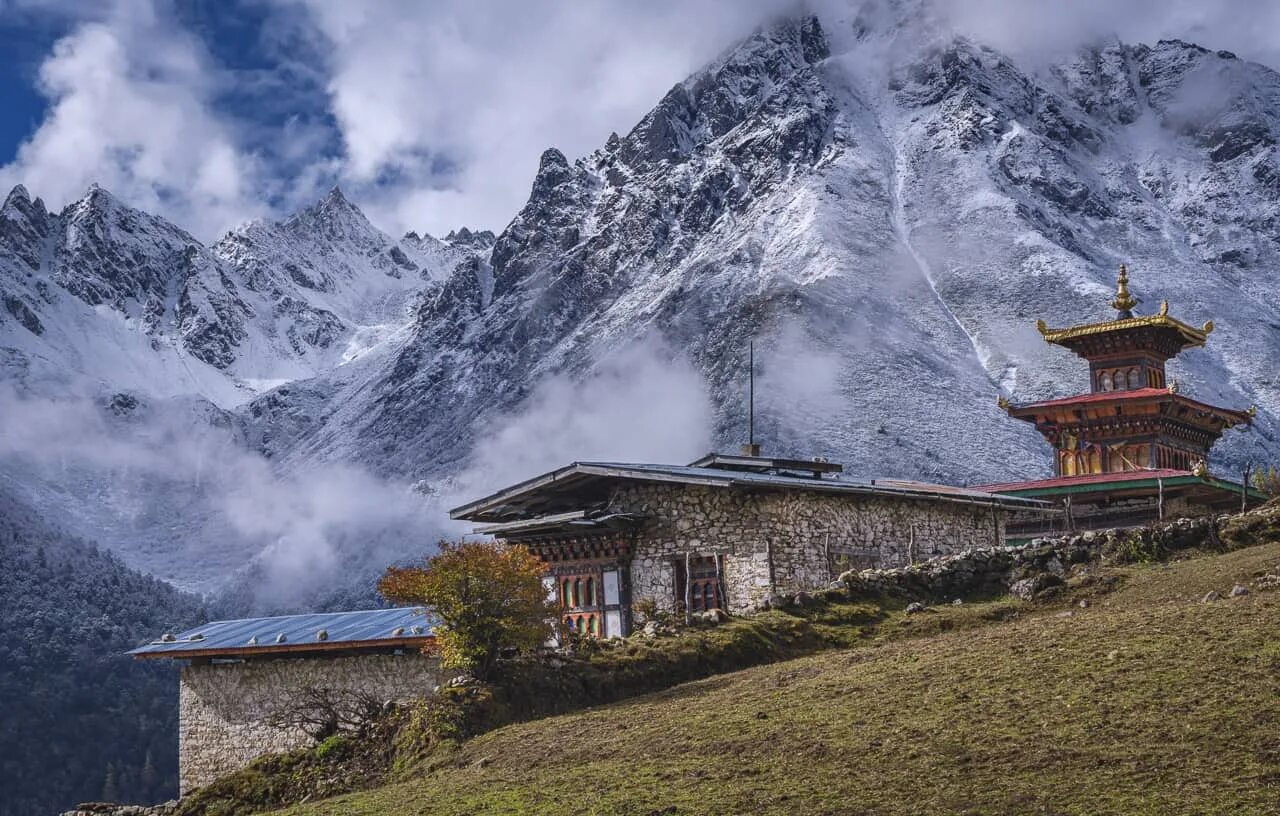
(768, 551)
(826, 552)
(688, 590)
(1160, 499)
(720, 594)
(995, 527)
(1244, 487)
(1069, 521)
(911, 545)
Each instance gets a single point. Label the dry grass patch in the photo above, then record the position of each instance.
(1145, 702)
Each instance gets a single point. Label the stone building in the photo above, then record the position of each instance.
(248, 686)
(725, 532)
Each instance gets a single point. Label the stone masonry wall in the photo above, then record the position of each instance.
(788, 541)
(225, 709)
(1027, 570)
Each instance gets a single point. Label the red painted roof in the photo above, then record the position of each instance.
(1088, 478)
(1125, 396)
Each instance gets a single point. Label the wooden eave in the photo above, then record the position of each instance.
(1066, 412)
(1188, 335)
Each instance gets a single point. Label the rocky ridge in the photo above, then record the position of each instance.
(889, 236)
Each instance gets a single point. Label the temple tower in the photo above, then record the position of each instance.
(1134, 449)
(1134, 417)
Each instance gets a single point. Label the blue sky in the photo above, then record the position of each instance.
(431, 115)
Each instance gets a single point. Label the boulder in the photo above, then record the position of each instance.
(711, 616)
(1211, 597)
(1238, 590)
(1028, 588)
(915, 607)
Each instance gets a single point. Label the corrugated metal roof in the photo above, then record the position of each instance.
(719, 477)
(839, 484)
(374, 628)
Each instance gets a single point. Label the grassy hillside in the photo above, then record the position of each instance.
(1147, 701)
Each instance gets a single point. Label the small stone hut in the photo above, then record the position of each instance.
(257, 686)
(725, 532)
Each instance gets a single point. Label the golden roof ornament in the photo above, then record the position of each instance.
(1200, 469)
(1252, 411)
(1123, 301)
(1002, 403)
(1173, 387)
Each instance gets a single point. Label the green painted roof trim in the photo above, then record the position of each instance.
(1098, 487)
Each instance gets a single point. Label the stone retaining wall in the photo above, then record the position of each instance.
(226, 710)
(788, 541)
(1027, 569)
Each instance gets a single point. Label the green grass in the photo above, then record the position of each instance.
(1145, 702)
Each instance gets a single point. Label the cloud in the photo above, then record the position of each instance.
(130, 107)
(433, 115)
(643, 403)
(1030, 28)
(444, 108)
(171, 487)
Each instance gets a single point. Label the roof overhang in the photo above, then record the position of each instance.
(1189, 335)
(373, 630)
(575, 522)
(519, 502)
(1137, 482)
(1032, 411)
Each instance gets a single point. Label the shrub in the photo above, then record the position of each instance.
(488, 598)
(1267, 480)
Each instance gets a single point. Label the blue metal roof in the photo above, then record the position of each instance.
(368, 629)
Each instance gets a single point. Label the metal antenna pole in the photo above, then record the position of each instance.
(751, 397)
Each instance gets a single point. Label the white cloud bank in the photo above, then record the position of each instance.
(130, 107)
(437, 112)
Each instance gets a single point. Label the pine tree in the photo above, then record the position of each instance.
(110, 788)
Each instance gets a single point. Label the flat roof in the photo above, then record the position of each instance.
(1122, 480)
(519, 500)
(295, 634)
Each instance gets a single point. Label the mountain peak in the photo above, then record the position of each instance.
(463, 236)
(17, 195)
(335, 214)
(715, 100)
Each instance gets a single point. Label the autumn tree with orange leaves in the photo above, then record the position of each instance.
(488, 598)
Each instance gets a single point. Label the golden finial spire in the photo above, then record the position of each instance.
(1123, 302)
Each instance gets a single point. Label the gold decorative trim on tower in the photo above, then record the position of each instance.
(1193, 336)
(1123, 301)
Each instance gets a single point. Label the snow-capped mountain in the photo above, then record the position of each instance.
(135, 303)
(885, 206)
(125, 343)
(888, 209)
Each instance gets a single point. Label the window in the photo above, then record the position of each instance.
(701, 586)
(1134, 379)
(585, 598)
(1105, 382)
